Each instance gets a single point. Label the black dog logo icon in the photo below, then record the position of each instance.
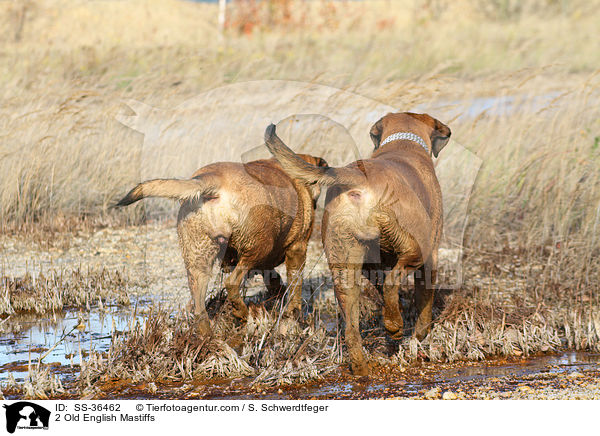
(26, 415)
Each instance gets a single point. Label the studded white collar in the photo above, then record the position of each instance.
(407, 136)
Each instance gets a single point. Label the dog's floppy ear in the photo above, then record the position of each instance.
(376, 132)
(314, 160)
(316, 188)
(440, 135)
(320, 162)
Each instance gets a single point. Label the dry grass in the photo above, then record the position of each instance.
(60, 290)
(266, 350)
(41, 384)
(508, 307)
(499, 311)
(174, 39)
(63, 154)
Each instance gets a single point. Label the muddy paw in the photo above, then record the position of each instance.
(394, 328)
(203, 327)
(239, 310)
(294, 313)
(288, 325)
(360, 368)
(421, 332)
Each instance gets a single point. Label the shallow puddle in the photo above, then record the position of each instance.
(507, 376)
(63, 340)
(561, 363)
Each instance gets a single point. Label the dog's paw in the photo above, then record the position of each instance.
(203, 327)
(294, 313)
(394, 328)
(393, 323)
(360, 368)
(421, 331)
(239, 310)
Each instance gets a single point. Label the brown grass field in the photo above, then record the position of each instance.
(530, 244)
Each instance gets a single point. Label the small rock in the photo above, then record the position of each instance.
(433, 393)
(525, 389)
(449, 395)
(575, 375)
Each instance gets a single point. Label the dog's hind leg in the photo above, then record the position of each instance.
(295, 258)
(199, 254)
(392, 308)
(345, 256)
(233, 284)
(198, 281)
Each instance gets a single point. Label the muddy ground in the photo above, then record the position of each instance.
(144, 263)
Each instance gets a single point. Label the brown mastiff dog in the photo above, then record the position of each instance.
(381, 213)
(251, 216)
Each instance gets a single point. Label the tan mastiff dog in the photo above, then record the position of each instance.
(251, 216)
(383, 212)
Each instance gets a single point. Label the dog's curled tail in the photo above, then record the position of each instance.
(169, 188)
(299, 169)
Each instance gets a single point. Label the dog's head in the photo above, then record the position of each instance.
(423, 125)
(318, 162)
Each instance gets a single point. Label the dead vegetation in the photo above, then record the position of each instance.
(266, 350)
(58, 290)
(508, 306)
(41, 384)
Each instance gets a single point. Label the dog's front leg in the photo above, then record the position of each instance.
(274, 284)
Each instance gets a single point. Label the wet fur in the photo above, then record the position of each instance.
(381, 213)
(250, 216)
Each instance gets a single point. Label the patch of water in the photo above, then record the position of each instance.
(562, 363)
(64, 339)
(494, 106)
(565, 363)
